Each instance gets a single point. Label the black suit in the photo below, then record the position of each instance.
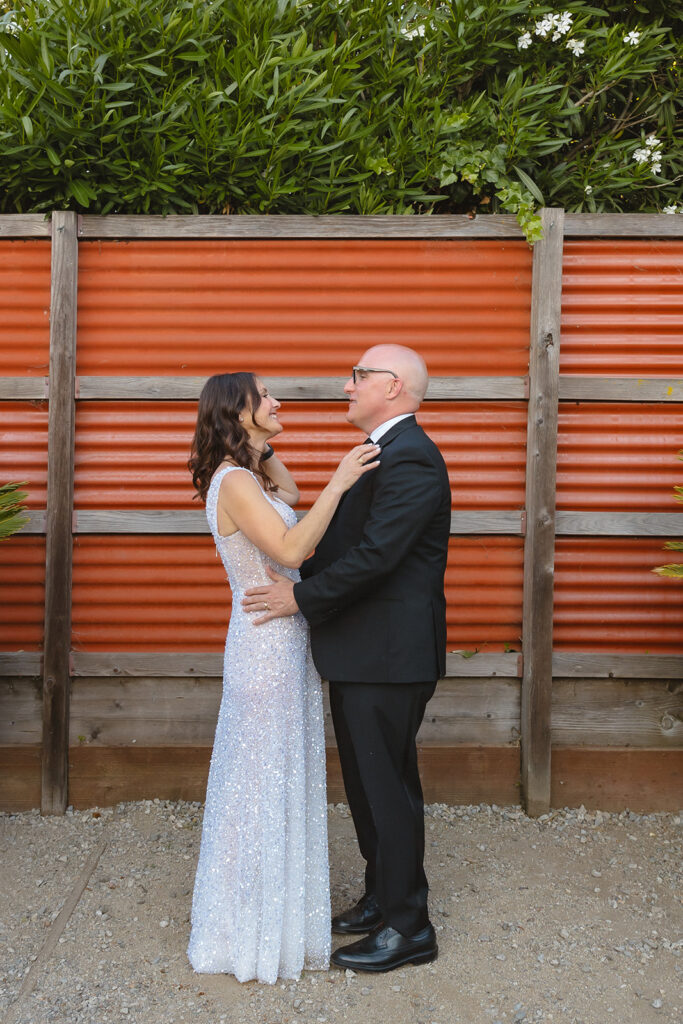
(373, 595)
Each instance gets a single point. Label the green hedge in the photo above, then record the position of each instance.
(336, 106)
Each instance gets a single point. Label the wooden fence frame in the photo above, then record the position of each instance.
(538, 523)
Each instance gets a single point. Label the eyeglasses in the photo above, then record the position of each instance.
(359, 371)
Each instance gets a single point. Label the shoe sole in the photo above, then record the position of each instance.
(416, 958)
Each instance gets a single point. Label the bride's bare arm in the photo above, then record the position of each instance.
(244, 505)
(287, 489)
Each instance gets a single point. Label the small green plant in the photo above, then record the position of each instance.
(12, 512)
(673, 570)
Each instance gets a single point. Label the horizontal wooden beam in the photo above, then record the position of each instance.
(164, 663)
(21, 663)
(25, 225)
(577, 225)
(148, 711)
(576, 665)
(623, 225)
(140, 521)
(246, 226)
(615, 779)
(619, 524)
(194, 522)
(298, 389)
(620, 389)
(103, 776)
(152, 663)
(481, 522)
(284, 226)
(37, 522)
(20, 770)
(609, 778)
(464, 522)
(21, 710)
(466, 664)
(573, 387)
(566, 664)
(617, 712)
(140, 389)
(19, 389)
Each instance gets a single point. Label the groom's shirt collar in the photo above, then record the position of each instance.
(382, 429)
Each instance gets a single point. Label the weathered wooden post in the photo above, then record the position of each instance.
(60, 488)
(539, 544)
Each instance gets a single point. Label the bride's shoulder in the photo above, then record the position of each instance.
(225, 466)
(233, 477)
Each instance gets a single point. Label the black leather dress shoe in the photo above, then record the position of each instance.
(385, 948)
(365, 916)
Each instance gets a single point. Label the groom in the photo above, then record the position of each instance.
(373, 595)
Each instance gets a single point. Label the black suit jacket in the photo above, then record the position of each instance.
(373, 590)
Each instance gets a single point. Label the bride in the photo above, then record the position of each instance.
(261, 904)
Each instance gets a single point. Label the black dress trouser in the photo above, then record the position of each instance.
(376, 725)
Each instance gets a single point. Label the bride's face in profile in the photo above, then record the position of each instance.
(262, 423)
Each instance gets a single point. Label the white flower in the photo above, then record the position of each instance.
(524, 41)
(411, 33)
(577, 46)
(543, 27)
(558, 24)
(633, 38)
(641, 156)
(670, 209)
(588, 189)
(564, 22)
(651, 141)
(656, 165)
(11, 27)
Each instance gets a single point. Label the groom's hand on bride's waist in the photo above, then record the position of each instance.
(273, 600)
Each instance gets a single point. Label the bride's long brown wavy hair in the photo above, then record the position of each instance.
(219, 433)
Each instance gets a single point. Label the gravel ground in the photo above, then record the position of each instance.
(574, 917)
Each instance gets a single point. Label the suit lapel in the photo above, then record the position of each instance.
(386, 439)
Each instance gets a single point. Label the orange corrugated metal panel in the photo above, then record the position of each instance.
(148, 593)
(622, 308)
(484, 593)
(608, 599)
(23, 448)
(22, 593)
(619, 457)
(133, 455)
(169, 593)
(305, 308)
(24, 308)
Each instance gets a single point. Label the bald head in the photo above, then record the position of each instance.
(391, 380)
(408, 365)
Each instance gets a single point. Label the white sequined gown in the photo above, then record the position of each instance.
(261, 905)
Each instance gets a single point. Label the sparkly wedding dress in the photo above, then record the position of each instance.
(261, 905)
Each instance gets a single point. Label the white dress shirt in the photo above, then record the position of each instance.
(381, 430)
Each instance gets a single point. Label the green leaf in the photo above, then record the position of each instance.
(530, 185)
(79, 190)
